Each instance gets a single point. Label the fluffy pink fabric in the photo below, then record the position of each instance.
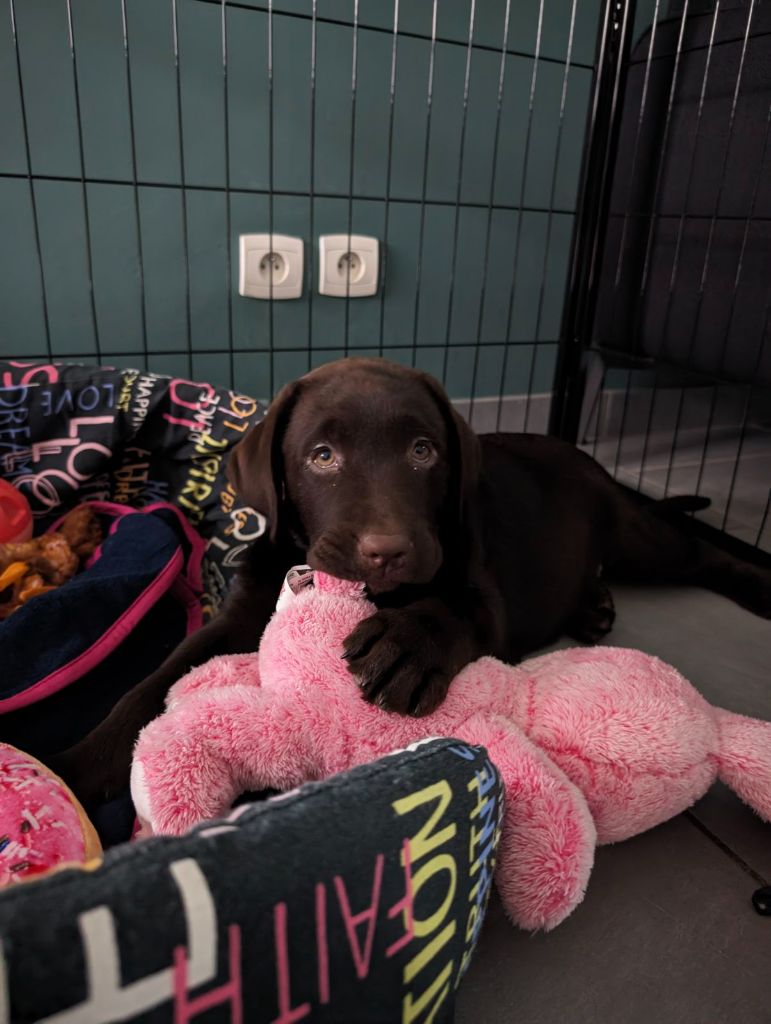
(594, 744)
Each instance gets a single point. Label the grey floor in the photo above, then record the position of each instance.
(666, 933)
(739, 490)
(716, 442)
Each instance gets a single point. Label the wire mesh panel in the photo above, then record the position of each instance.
(140, 138)
(677, 360)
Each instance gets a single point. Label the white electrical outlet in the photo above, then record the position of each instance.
(348, 265)
(266, 257)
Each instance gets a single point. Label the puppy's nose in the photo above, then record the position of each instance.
(381, 550)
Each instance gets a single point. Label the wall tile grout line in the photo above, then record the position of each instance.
(234, 189)
(368, 197)
(404, 346)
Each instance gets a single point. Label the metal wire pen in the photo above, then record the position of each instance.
(662, 357)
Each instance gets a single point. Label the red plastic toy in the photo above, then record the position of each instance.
(15, 515)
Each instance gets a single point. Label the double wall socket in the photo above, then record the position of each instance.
(272, 266)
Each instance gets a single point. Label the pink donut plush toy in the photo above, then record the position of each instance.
(42, 825)
(593, 744)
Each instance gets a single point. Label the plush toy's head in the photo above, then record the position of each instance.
(305, 636)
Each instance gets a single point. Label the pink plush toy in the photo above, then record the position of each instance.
(593, 744)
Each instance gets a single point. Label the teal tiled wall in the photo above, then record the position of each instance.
(104, 253)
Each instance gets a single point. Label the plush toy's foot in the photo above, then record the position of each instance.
(547, 846)
(595, 618)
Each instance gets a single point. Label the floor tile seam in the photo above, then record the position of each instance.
(725, 848)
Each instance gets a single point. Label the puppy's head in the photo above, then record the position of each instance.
(367, 465)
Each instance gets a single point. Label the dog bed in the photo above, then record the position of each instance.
(302, 907)
(298, 907)
(119, 440)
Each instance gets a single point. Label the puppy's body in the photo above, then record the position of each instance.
(468, 546)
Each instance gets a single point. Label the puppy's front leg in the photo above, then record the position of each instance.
(97, 768)
(405, 657)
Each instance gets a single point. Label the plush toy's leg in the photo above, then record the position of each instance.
(225, 670)
(190, 764)
(744, 760)
(547, 844)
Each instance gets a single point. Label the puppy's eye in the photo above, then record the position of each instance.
(423, 452)
(323, 457)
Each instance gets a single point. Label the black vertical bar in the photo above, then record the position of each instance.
(391, 107)
(421, 230)
(550, 215)
(456, 215)
(228, 240)
(628, 214)
(354, 69)
(271, 370)
(764, 520)
(188, 308)
(312, 185)
(520, 210)
(135, 186)
(635, 153)
(708, 251)
(628, 205)
(678, 244)
(598, 420)
(591, 219)
(637, 317)
(764, 336)
(724, 348)
(33, 201)
(490, 202)
(84, 191)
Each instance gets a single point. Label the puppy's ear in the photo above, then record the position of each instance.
(256, 466)
(465, 451)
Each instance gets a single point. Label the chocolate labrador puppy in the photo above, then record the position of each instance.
(468, 545)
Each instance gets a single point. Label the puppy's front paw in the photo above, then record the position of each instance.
(399, 662)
